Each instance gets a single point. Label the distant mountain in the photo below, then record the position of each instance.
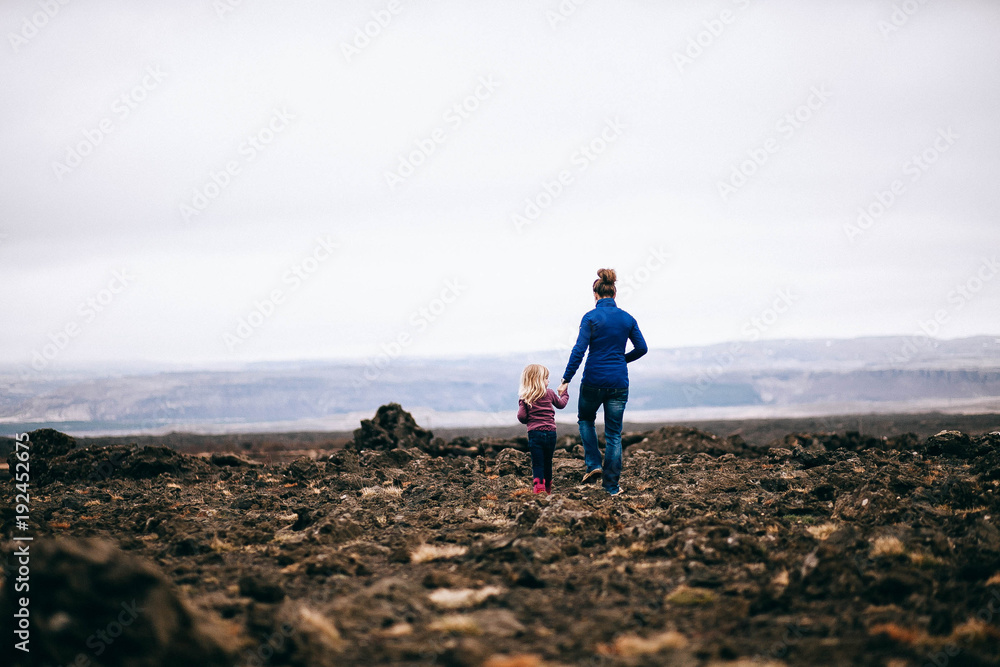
(760, 378)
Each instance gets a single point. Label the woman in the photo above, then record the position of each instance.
(605, 378)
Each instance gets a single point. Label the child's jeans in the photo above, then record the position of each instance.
(542, 445)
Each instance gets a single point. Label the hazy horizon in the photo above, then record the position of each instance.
(918, 342)
(739, 380)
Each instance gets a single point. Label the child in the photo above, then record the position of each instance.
(535, 409)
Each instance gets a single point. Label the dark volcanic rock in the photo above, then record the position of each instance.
(261, 588)
(302, 468)
(952, 443)
(154, 460)
(512, 462)
(224, 460)
(346, 460)
(827, 548)
(988, 464)
(92, 464)
(95, 464)
(89, 599)
(391, 427)
(687, 440)
(48, 443)
(44, 444)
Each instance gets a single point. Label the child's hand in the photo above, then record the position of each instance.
(563, 387)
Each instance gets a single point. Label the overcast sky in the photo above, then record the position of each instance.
(717, 153)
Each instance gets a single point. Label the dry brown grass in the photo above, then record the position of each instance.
(319, 626)
(899, 634)
(887, 546)
(974, 630)
(489, 516)
(520, 660)
(690, 596)
(972, 510)
(822, 531)
(401, 629)
(456, 598)
(457, 624)
(921, 559)
(634, 550)
(634, 645)
(219, 546)
(381, 492)
(638, 548)
(426, 553)
(752, 662)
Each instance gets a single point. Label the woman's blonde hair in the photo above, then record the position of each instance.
(534, 382)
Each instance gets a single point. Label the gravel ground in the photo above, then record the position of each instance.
(404, 549)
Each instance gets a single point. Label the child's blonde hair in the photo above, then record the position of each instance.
(534, 382)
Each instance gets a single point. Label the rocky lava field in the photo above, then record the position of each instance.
(404, 549)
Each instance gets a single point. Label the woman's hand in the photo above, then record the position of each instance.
(562, 388)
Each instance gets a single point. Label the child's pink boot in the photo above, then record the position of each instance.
(548, 486)
(539, 486)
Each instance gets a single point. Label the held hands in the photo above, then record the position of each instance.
(562, 388)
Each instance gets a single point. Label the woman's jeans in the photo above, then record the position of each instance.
(613, 400)
(542, 445)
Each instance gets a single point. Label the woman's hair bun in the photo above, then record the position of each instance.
(604, 286)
